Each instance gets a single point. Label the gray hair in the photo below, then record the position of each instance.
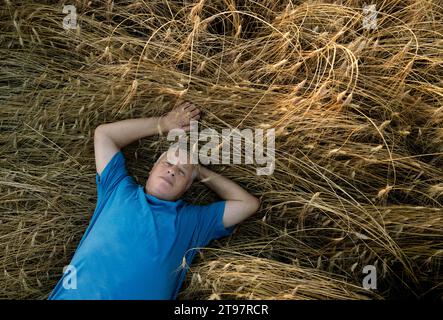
(194, 167)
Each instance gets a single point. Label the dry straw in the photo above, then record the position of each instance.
(359, 136)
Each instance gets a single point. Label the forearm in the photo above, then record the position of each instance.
(222, 186)
(124, 132)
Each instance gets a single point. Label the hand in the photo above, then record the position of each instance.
(199, 168)
(203, 173)
(180, 116)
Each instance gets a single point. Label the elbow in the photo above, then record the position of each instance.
(101, 137)
(255, 205)
(99, 130)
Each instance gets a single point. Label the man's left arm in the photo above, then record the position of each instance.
(240, 204)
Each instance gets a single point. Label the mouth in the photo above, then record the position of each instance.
(168, 181)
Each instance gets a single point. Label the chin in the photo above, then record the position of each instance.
(159, 194)
(161, 197)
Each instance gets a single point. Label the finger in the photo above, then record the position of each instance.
(191, 107)
(196, 117)
(186, 128)
(179, 104)
(194, 113)
(187, 105)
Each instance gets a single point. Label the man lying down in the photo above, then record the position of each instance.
(138, 236)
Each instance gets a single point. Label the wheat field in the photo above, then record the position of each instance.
(356, 104)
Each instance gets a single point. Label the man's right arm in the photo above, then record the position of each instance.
(110, 138)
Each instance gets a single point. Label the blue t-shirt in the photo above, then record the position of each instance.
(135, 243)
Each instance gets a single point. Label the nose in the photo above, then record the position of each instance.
(171, 171)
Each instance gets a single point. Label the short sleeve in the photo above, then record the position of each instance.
(209, 222)
(111, 175)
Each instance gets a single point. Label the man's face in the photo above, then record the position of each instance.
(168, 180)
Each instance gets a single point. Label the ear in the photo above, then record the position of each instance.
(189, 184)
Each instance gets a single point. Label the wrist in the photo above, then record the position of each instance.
(162, 125)
(203, 173)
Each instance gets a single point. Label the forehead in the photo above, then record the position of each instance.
(183, 160)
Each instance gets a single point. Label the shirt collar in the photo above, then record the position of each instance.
(154, 200)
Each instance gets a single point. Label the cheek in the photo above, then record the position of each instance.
(153, 177)
(182, 181)
(155, 171)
